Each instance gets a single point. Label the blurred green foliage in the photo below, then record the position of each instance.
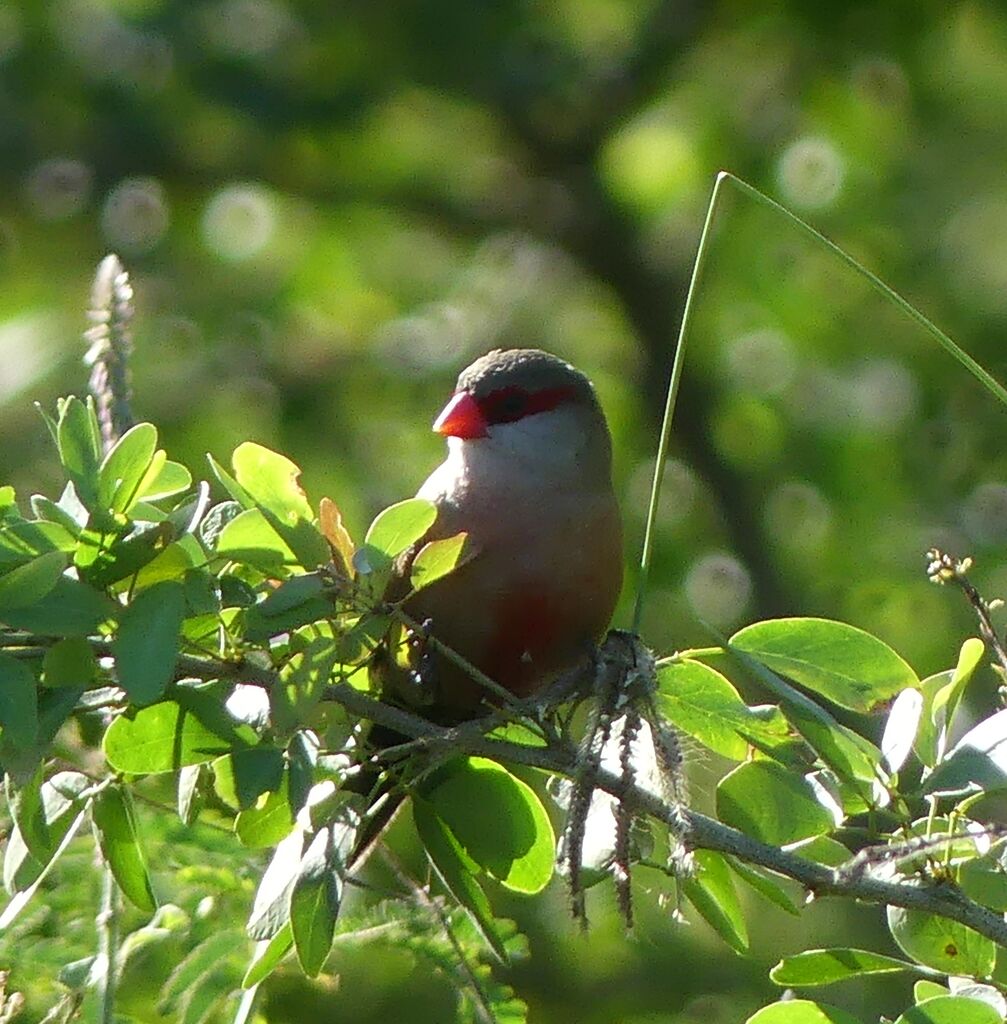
(327, 210)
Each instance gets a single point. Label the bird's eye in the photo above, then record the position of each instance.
(506, 405)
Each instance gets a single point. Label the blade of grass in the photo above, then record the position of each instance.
(956, 351)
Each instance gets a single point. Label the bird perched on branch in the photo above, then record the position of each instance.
(528, 477)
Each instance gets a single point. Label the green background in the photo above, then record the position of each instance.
(329, 209)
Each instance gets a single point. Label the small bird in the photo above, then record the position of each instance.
(528, 477)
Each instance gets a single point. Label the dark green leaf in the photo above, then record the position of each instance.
(147, 644)
(241, 777)
(842, 663)
(27, 584)
(113, 820)
(314, 904)
(69, 662)
(711, 891)
(457, 872)
(18, 703)
(765, 886)
(71, 608)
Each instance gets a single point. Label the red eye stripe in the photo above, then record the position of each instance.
(506, 405)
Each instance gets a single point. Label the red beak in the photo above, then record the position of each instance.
(461, 417)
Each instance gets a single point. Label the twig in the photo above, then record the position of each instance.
(944, 568)
(108, 945)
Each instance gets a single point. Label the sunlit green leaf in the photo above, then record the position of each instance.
(801, 1011)
(242, 776)
(438, 558)
(951, 1010)
(944, 945)
(704, 704)
(842, 663)
(394, 530)
(268, 956)
(824, 966)
(167, 736)
(767, 801)
(79, 442)
(123, 469)
(497, 820)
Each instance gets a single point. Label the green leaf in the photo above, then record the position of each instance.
(457, 872)
(394, 530)
(69, 662)
(194, 966)
(163, 479)
(242, 776)
(71, 608)
(851, 756)
(249, 538)
(765, 800)
(46, 509)
(25, 802)
(944, 945)
(438, 558)
(901, 728)
(268, 822)
(711, 891)
(147, 643)
(113, 820)
(951, 1010)
(27, 584)
(79, 443)
(303, 681)
(977, 762)
(844, 664)
(125, 466)
(985, 881)
(824, 966)
(270, 479)
(497, 819)
(271, 907)
(268, 956)
(18, 703)
(314, 904)
(167, 736)
(924, 989)
(765, 886)
(703, 703)
(801, 1011)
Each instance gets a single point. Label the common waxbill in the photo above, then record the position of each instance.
(528, 476)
